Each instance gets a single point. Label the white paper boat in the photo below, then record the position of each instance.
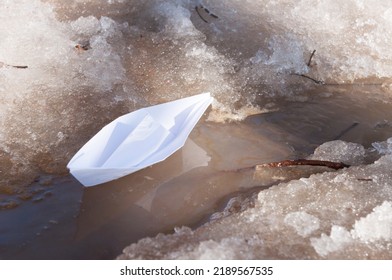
(137, 140)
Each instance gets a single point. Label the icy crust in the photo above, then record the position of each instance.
(349, 37)
(49, 108)
(375, 228)
(332, 215)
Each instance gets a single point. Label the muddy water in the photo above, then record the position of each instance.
(60, 219)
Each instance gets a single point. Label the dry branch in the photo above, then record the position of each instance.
(82, 47)
(342, 133)
(310, 78)
(13, 66)
(197, 11)
(206, 11)
(284, 163)
(310, 58)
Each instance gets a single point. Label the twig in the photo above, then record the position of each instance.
(19, 66)
(307, 77)
(311, 56)
(83, 47)
(365, 179)
(346, 130)
(310, 78)
(206, 10)
(197, 11)
(330, 164)
(14, 66)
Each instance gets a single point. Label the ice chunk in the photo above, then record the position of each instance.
(302, 222)
(340, 151)
(383, 148)
(86, 26)
(280, 47)
(338, 240)
(226, 248)
(377, 226)
(178, 23)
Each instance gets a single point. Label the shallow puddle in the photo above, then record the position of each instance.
(63, 220)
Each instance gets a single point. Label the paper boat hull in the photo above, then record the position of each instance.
(137, 140)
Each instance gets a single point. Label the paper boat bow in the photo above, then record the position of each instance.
(137, 140)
